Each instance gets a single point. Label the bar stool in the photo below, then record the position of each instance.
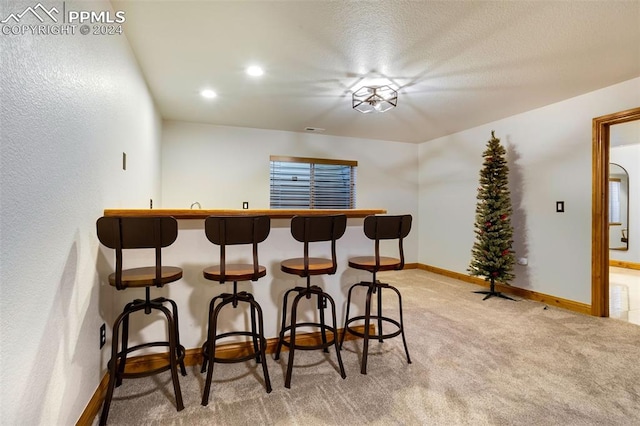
(123, 233)
(378, 228)
(225, 231)
(311, 229)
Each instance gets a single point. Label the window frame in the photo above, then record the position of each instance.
(312, 162)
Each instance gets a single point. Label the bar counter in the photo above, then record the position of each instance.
(273, 213)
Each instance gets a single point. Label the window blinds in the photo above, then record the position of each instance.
(312, 184)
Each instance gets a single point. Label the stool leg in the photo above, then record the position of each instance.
(125, 342)
(172, 359)
(256, 350)
(345, 329)
(292, 339)
(404, 340)
(323, 331)
(113, 366)
(335, 337)
(211, 339)
(367, 322)
(255, 306)
(284, 323)
(205, 359)
(174, 308)
(380, 339)
(346, 317)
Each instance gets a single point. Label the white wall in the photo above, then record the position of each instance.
(628, 156)
(71, 104)
(549, 155)
(221, 167)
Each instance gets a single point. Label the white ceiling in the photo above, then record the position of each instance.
(456, 64)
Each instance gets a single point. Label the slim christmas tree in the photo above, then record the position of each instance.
(492, 257)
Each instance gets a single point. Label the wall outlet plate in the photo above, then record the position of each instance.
(103, 335)
(245, 205)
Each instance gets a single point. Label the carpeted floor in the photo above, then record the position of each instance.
(475, 362)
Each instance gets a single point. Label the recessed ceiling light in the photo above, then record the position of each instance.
(255, 71)
(208, 94)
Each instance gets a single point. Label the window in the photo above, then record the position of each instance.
(614, 201)
(312, 183)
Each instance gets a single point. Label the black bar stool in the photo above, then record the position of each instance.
(122, 233)
(224, 231)
(378, 228)
(311, 229)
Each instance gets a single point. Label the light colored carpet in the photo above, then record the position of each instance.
(493, 362)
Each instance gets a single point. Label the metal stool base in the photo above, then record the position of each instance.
(257, 337)
(307, 292)
(372, 288)
(117, 363)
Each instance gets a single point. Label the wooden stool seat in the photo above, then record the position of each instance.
(234, 272)
(368, 263)
(317, 266)
(146, 276)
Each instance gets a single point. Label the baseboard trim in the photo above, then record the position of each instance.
(194, 357)
(93, 407)
(624, 264)
(559, 302)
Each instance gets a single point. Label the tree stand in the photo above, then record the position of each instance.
(492, 292)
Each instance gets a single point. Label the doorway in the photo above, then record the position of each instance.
(600, 213)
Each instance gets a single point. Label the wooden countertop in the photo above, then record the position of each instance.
(273, 213)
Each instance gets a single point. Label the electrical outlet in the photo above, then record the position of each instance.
(103, 335)
(322, 303)
(245, 205)
(559, 206)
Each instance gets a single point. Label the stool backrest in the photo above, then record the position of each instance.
(236, 230)
(388, 227)
(148, 232)
(311, 229)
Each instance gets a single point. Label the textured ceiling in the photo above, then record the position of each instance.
(456, 64)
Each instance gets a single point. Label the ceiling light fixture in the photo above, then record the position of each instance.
(374, 99)
(208, 93)
(255, 71)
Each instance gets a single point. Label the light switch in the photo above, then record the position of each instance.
(560, 206)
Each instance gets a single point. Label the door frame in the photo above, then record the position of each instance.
(600, 210)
